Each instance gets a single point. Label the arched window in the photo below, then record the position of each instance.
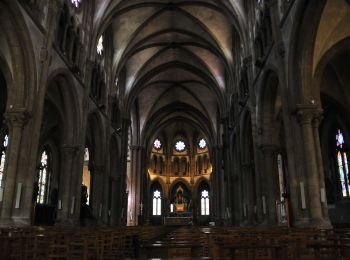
(205, 203)
(86, 181)
(44, 177)
(343, 166)
(3, 149)
(157, 203)
(281, 175)
(99, 47)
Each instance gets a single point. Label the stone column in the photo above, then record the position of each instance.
(270, 184)
(76, 182)
(306, 114)
(67, 200)
(97, 192)
(248, 194)
(315, 127)
(217, 189)
(15, 120)
(115, 200)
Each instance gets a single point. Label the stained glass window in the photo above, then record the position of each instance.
(340, 139)
(44, 178)
(202, 143)
(3, 159)
(157, 203)
(76, 3)
(86, 181)
(343, 167)
(157, 144)
(180, 146)
(205, 203)
(99, 46)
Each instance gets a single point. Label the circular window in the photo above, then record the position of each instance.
(157, 144)
(180, 146)
(202, 143)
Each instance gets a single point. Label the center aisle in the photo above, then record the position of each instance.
(186, 242)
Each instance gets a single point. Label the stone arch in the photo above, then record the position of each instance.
(304, 34)
(18, 62)
(183, 181)
(62, 95)
(269, 105)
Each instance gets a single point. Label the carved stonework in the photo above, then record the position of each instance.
(16, 118)
(307, 113)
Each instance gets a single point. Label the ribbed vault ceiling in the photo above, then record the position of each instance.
(177, 56)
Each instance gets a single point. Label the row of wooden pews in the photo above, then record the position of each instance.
(277, 243)
(74, 243)
(189, 242)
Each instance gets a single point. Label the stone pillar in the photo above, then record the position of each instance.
(217, 189)
(315, 126)
(248, 194)
(116, 195)
(270, 184)
(67, 198)
(98, 175)
(15, 120)
(76, 182)
(306, 114)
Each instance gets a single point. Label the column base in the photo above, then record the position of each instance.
(15, 222)
(73, 222)
(321, 223)
(313, 223)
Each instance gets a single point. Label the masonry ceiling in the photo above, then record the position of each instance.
(177, 54)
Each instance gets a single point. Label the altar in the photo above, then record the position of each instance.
(177, 221)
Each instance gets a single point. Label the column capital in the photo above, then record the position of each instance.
(317, 119)
(16, 118)
(306, 113)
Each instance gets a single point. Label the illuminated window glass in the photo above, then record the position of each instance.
(99, 46)
(3, 149)
(44, 178)
(202, 143)
(157, 144)
(343, 166)
(180, 146)
(76, 3)
(205, 203)
(157, 203)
